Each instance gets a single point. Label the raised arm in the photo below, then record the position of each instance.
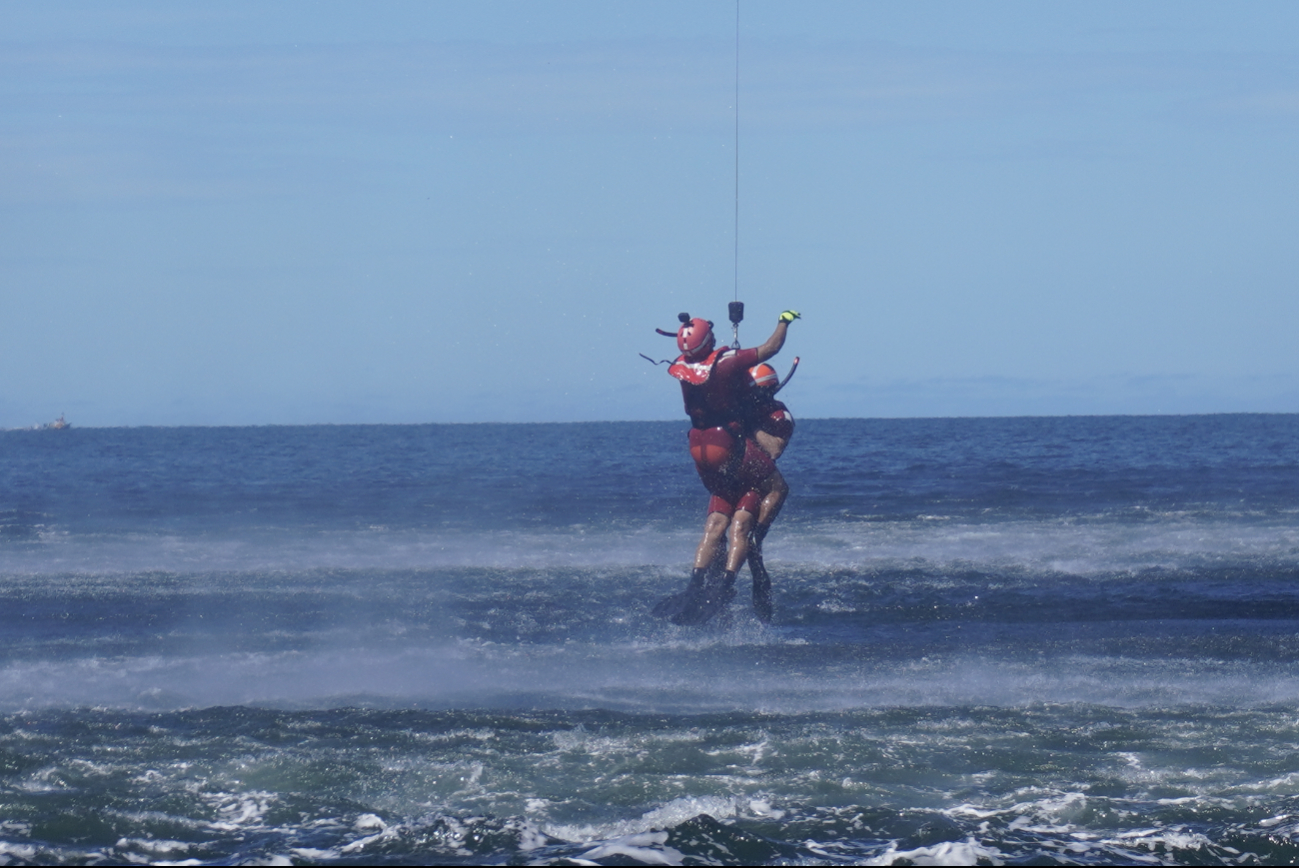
(777, 340)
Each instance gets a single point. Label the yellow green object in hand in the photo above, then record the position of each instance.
(789, 316)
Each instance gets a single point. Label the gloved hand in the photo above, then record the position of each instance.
(790, 315)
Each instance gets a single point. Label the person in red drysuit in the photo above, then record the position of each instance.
(769, 424)
(766, 419)
(737, 472)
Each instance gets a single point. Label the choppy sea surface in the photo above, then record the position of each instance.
(1018, 641)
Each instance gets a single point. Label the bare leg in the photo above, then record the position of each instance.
(710, 591)
(771, 444)
(714, 529)
(773, 500)
(739, 541)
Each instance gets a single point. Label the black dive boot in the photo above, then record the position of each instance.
(717, 593)
(761, 580)
(670, 607)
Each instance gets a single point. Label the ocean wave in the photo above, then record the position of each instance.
(1068, 546)
(931, 786)
(699, 679)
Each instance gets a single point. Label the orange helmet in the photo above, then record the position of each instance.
(764, 376)
(695, 338)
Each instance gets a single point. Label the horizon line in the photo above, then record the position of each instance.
(42, 428)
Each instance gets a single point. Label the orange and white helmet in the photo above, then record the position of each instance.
(695, 339)
(764, 376)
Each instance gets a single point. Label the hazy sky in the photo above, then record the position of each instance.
(240, 213)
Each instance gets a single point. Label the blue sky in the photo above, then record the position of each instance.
(248, 213)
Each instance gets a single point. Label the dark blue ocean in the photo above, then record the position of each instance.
(1020, 641)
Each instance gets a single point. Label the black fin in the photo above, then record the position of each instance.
(761, 578)
(715, 596)
(671, 606)
(761, 588)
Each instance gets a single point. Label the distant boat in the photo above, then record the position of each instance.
(57, 425)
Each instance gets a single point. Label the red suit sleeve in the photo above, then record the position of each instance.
(733, 363)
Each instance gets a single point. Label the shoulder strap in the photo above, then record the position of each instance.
(695, 373)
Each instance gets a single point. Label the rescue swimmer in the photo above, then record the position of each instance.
(739, 474)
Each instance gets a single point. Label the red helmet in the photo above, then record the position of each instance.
(764, 376)
(695, 338)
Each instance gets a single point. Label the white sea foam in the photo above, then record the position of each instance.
(645, 847)
(369, 549)
(242, 679)
(966, 852)
(239, 810)
(153, 845)
(20, 851)
(666, 816)
(1067, 546)
(482, 674)
(1070, 546)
